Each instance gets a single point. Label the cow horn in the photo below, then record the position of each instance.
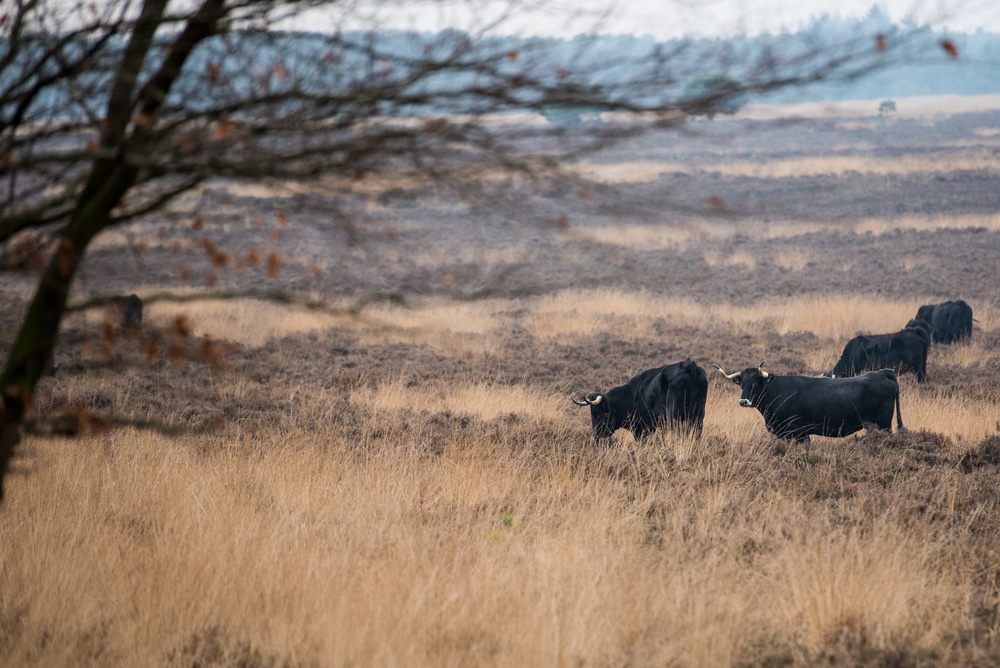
(729, 376)
(596, 400)
(760, 367)
(579, 403)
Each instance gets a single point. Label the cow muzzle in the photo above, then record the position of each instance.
(745, 403)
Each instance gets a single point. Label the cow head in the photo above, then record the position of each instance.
(753, 382)
(129, 311)
(603, 417)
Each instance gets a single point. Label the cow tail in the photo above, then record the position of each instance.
(890, 374)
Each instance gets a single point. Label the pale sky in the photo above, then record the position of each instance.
(661, 19)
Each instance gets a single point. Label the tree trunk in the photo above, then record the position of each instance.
(40, 327)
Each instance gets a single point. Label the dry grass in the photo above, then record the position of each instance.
(630, 314)
(470, 521)
(839, 165)
(473, 523)
(455, 328)
(573, 313)
(966, 421)
(877, 583)
(671, 235)
(657, 237)
(792, 259)
(248, 321)
(650, 171)
(316, 547)
(483, 258)
(486, 401)
(741, 259)
(640, 171)
(463, 328)
(968, 354)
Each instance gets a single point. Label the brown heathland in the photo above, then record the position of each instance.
(408, 483)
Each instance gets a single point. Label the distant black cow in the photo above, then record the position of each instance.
(129, 311)
(949, 321)
(922, 325)
(795, 407)
(675, 393)
(906, 350)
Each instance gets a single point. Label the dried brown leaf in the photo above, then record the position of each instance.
(273, 264)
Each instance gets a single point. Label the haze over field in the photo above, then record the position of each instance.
(669, 20)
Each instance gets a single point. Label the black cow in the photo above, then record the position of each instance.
(795, 407)
(906, 350)
(129, 311)
(922, 325)
(949, 321)
(675, 393)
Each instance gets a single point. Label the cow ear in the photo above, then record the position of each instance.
(769, 378)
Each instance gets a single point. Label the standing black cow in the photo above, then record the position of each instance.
(949, 321)
(129, 311)
(906, 350)
(922, 325)
(674, 393)
(795, 407)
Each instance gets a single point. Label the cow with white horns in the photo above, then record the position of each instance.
(796, 407)
(673, 394)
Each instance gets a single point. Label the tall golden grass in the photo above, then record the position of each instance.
(252, 322)
(464, 329)
(833, 316)
(680, 234)
(644, 171)
(484, 400)
(813, 166)
(473, 522)
(309, 547)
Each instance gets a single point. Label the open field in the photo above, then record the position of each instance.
(400, 478)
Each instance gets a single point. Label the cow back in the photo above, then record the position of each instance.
(799, 406)
(687, 391)
(948, 321)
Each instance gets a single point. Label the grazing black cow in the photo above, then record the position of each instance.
(949, 321)
(674, 393)
(906, 350)
(795, 407)
(129, 311)
(922, 325)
